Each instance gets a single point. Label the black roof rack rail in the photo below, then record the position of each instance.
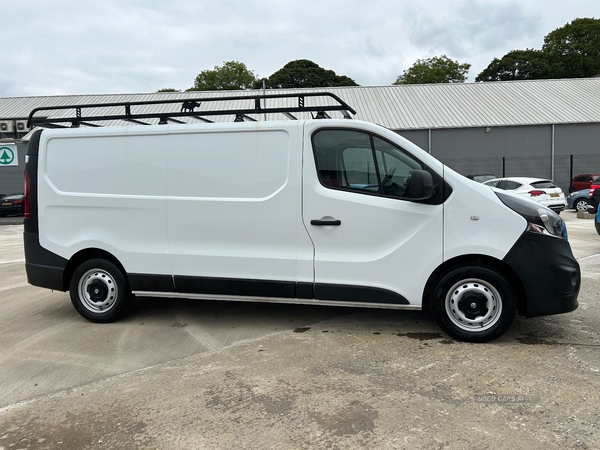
(190, 107)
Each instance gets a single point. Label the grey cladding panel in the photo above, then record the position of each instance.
(582, 139)
(468, 143)
(417, 137)
(531, 141)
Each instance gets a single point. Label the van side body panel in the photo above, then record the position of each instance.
(105, 189)
(193, 209)
(233, 207)
(476, 222)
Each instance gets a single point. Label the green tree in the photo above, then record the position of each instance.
(303, 73)
(574, 49)
(517, 65)
(168, 90)
(232, 75)
(439, 69)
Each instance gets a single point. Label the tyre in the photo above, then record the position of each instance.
(474, 304)
(581, 205)
(99, 291)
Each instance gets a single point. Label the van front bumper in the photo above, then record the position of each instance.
(549, 274)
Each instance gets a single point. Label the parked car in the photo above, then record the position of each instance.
(12, 205)
(480, 178)
(579, 200)
(583, 181)
(593, 196)
(540, 190)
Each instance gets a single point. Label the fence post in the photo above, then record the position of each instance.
(570, 168)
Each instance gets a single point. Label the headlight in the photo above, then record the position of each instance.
(539, 219)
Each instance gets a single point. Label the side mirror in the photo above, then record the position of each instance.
(591, 209)
(421, 185)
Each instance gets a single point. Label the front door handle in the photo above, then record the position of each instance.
(322, 222)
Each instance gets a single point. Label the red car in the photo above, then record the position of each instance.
(582, 181)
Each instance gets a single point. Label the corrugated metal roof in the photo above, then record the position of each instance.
(403, 107)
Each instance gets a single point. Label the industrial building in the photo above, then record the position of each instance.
(542, 128)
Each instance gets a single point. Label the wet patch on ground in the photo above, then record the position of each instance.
(301, 329)
(421, 336)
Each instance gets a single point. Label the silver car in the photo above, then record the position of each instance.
(540, 190)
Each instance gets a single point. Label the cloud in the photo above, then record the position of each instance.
(473, 27)
(121, 46)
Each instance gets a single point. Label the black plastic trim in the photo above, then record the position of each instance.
(49, 277)
(30, 225)
(153, 283)
(549, 273)
(281, 289)
(325, 222)
(44, 268)
(234, 286)
(305, 290)
(362, 294)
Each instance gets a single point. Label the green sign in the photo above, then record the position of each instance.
(8, 155)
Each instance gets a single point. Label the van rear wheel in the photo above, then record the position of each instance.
(99, 291)
(474, 304)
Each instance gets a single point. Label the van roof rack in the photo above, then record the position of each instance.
(171, 111)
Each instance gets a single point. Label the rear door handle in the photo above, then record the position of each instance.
(321, 222)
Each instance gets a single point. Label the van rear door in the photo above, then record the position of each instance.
(372, 244)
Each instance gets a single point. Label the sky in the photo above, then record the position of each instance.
(63, 47)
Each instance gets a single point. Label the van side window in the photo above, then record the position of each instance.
(360, 169)
(361, 162)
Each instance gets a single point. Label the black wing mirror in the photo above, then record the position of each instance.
(421, 185)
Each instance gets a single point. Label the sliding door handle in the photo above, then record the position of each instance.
(323, 222)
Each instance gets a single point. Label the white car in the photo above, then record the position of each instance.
(540, 190)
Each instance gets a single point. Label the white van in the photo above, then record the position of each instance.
(327, 212)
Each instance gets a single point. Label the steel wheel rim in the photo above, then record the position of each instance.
(473, 305)
(97, 290)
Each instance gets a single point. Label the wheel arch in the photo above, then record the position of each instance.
(483, 261)
(86, 254)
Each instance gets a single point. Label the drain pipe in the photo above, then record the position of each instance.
(552, 152)
(429, 137)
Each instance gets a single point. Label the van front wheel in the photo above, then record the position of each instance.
(99, 291)
(474, 304)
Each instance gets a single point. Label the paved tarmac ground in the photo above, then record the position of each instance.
(194, 374)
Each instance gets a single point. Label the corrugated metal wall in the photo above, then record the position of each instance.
(516, 151)
(449, 119)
